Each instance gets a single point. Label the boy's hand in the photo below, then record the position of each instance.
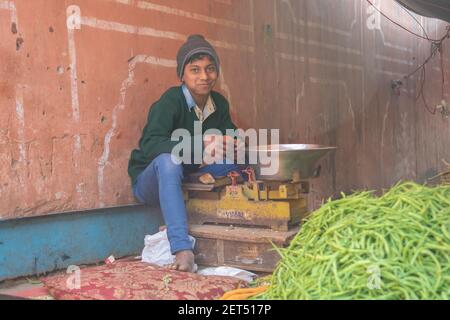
(216, 147)
(236, 144)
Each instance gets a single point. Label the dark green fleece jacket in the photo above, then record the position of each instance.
(169, 113)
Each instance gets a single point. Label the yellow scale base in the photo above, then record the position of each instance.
(238, 225)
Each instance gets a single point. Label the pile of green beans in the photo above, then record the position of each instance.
(360, 246)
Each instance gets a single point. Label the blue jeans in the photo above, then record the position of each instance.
(160, 183)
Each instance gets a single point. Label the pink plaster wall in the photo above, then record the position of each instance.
(77, 78)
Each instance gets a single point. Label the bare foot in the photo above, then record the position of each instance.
(184, 261)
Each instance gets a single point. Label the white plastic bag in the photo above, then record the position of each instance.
(157, 249)
(228, 271)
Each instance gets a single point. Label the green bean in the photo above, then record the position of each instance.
(400, 240)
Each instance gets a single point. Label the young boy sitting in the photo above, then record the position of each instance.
(156, 176)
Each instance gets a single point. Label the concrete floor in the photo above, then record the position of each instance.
(10, 287)
(23, 288)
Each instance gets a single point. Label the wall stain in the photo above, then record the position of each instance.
(13, 28)
(19, 42)
(268, 30)
(65, 257)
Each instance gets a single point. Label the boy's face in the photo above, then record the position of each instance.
(200, 76)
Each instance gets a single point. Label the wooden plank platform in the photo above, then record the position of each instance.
(254, 235)
(245, 248)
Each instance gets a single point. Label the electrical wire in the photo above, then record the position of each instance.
(398, 24)
(436, 46)
(415, 19)
(433, 53)
(421, 93)
(441, 55)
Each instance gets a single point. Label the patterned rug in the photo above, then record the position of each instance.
(135, 280)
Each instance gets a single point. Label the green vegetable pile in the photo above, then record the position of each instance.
(396, 246)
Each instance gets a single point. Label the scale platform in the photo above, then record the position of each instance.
(237, 222)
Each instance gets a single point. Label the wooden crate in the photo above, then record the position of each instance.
(245, 248)
(445, 179)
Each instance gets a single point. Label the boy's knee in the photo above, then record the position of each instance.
(167, 166)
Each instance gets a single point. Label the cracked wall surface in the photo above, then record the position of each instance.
(77, 79)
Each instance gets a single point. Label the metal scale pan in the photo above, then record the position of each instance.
(296, 161)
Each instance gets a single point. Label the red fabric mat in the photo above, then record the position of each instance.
(135, 280)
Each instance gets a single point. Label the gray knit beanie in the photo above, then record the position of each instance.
(195, 44)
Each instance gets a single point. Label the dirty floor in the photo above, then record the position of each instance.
(23, 288)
